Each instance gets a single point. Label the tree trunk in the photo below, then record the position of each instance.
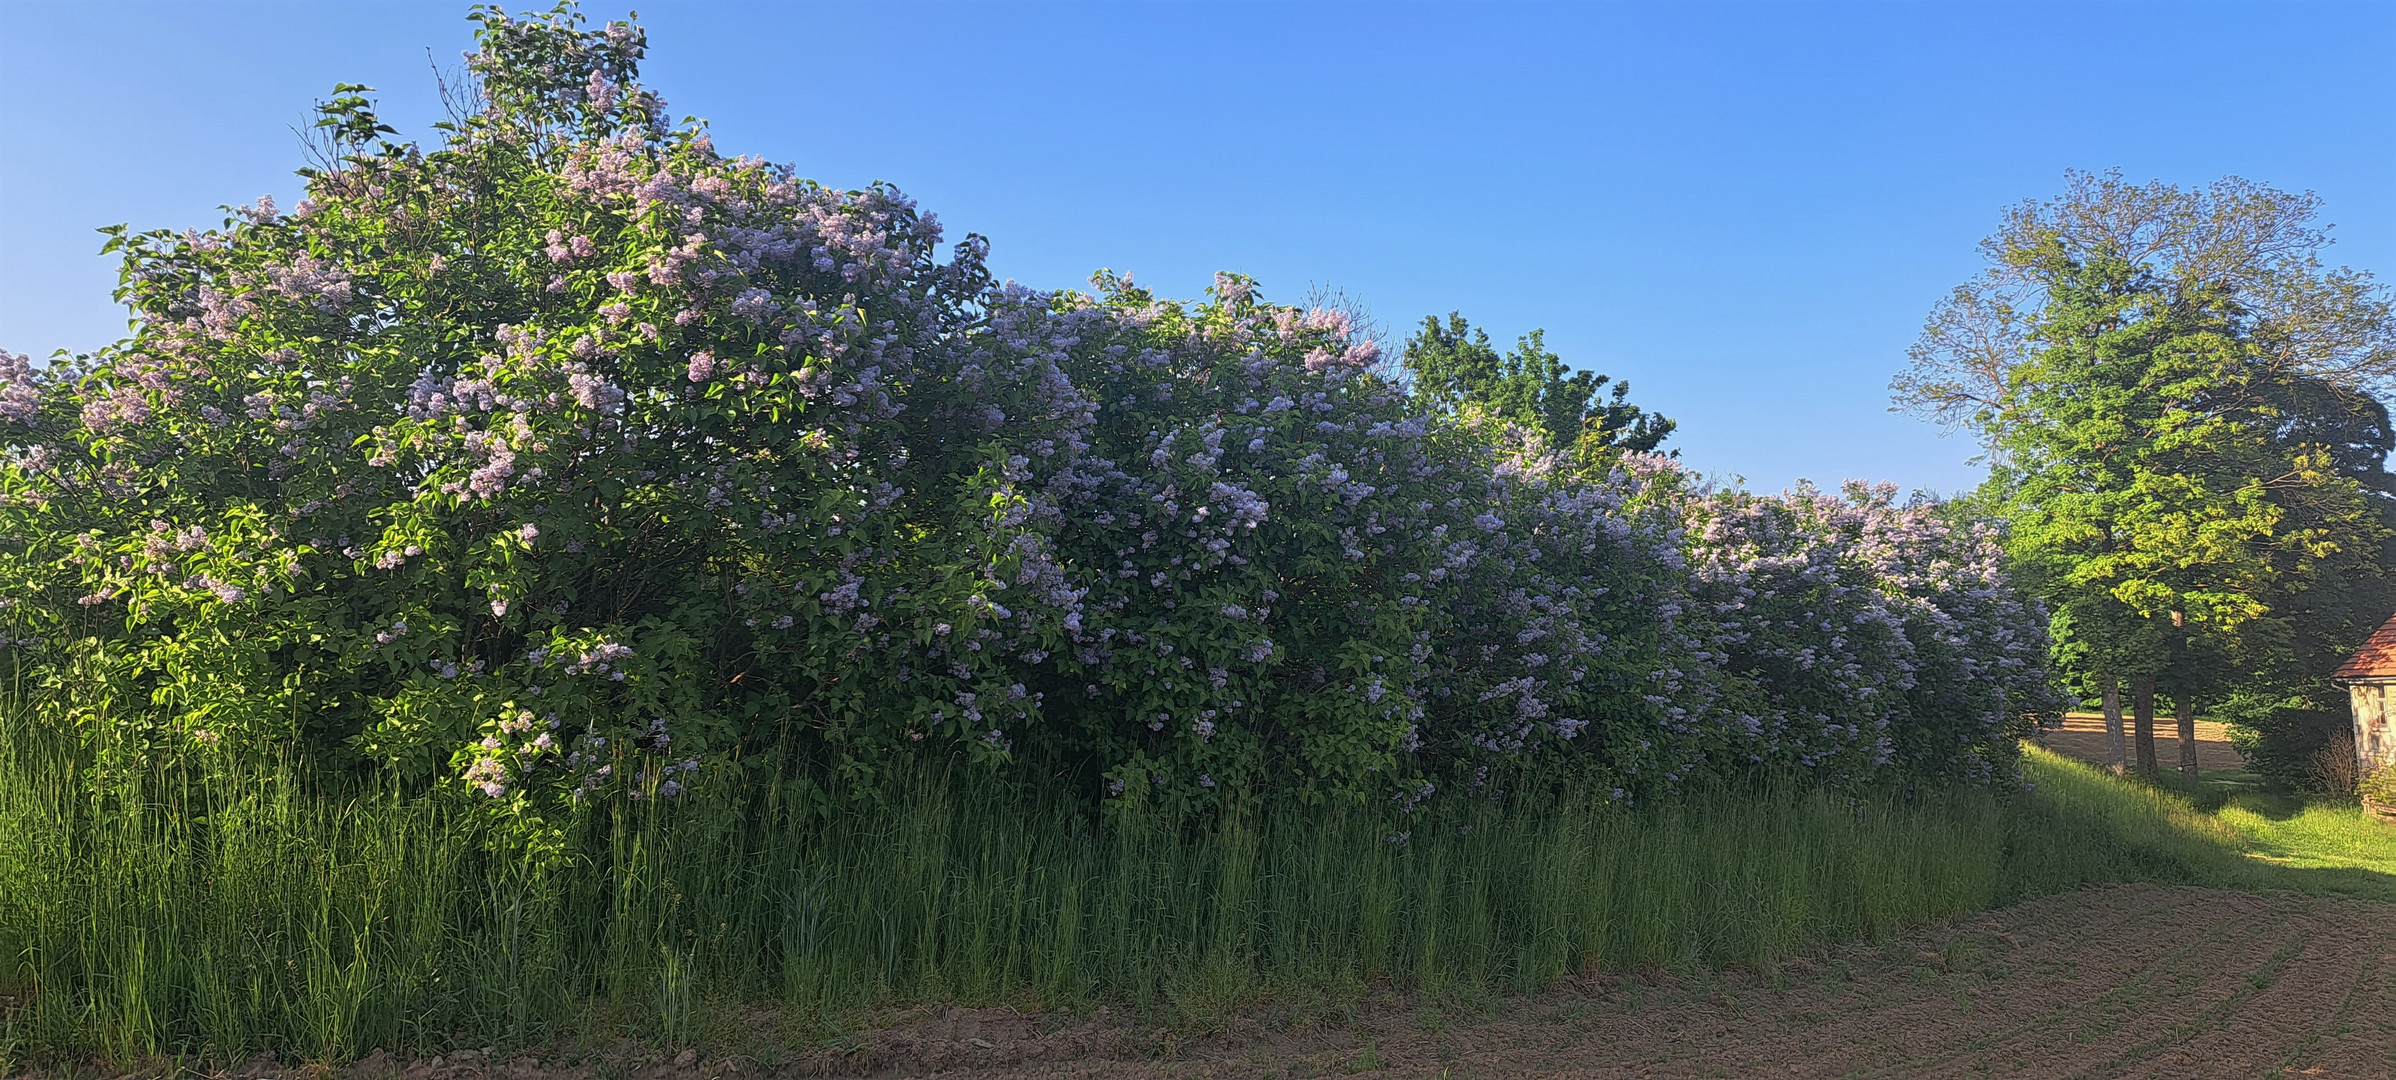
(2187, 720)
(2142, 705)
(2117, 741)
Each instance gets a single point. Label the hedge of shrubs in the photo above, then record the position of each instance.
(570, 459)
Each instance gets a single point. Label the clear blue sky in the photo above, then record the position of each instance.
(1746, 210)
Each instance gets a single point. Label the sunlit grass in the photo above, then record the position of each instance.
(2231, 830)
(220, 913)
(2322, 835)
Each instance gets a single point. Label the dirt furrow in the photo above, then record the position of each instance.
(2127, 982)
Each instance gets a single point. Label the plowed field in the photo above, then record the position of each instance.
(2131, 981)
(2082, 735)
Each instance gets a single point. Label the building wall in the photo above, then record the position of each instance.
(2374, 736)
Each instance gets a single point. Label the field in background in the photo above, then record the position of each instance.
(2082, 736)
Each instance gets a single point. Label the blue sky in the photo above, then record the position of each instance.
(1745, 210)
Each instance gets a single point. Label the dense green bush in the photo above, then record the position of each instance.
(2379, 785)
(2281, 733)
(570, 459)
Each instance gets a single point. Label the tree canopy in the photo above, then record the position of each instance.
(2179, 405)
(1452, 364)
(2252, 243)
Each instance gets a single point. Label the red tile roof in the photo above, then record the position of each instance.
(2376, 659)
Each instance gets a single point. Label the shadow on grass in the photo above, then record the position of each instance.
(2214, 789)
(2220, 831)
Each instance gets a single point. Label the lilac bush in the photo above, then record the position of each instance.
(570, 459)
(1865, 637)
(1291, 574)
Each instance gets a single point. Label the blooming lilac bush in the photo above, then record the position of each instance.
(1288, 567)
(571, 459)
(1866, 637)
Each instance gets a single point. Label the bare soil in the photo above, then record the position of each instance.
(2127, 981)
(2082, 736)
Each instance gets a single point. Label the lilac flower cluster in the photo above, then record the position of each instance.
(20, 395)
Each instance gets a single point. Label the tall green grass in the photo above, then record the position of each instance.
(226, 912)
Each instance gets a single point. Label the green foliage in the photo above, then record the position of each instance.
(2282, 731)
(2146, 474)
(2177, 400)
(2232, 237)
(1453, 365)
(2379, 785)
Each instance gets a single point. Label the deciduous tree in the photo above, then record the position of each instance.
(1453, 364)
(2177, 403)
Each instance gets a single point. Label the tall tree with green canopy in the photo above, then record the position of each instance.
(2258, 243)
(2177, 403)
(1453, 364)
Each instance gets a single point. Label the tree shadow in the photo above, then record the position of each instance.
(2353, 882)
(2224, 830)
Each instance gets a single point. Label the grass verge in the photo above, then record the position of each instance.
(215, 915)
